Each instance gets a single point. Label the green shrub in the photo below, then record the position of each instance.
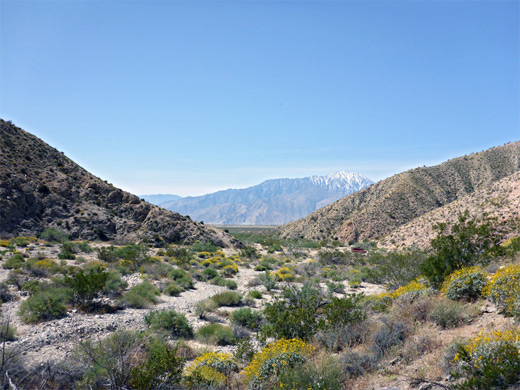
(391, 333)
(204, 247)
(325, 374)
(464, 244)
(355, 364)
(448, 314)
(53, 235)
(14, 262)
(173, 289)
(202, 308)
(175, 323)
(67, 251)
(43, 306)
(216, 334)
(141, 295)
(255, 294)
(210, 273)
(504, 289)
(86, 286)
(466, 283)
(7, 332)
(162, 368)
(220, 281)
(182, 278)
(489, 361)
(211, 370)
(227, 298)
(107, 253)
(114, 284)
(247, 318)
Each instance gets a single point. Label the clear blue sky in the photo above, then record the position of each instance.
(192, 97)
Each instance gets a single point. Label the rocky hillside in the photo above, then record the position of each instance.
(272, 202)
(393, 202)
(40, 188)
(499, 202)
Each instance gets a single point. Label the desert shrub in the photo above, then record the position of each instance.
(220, 281)
(216, 334)
(324, 374)
(172, 289)
(390, 334)
(229, 270)
(14, 262)
(43, 267)
(414, 288)
(380, 303)
(107, 253)
(5, 294)
(210, 273)
(504, 289)
(210, 370)
(417, 346)
(161, 369)
(334, 257)
(268, 281)
(247, 317)
(43, 306)
(393, 268)
(53, 235)
(302, 312)
(464, 244)
(108, 363)
(466, 283)
(174, 323)
(249, 252)
(180, 256)
(7, 331)
(141, 295)
(448, 314)
(489, 361)
(284, 274)
(341, 337)
(202, 308)
(293, 348)
(67, 251)
(114, 284)
(86, 286)
(203, 247)
(227, 298)
(411, 309)
(255, 294)
(355, 364)
(182, 278)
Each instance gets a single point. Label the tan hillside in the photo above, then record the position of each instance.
(500, 201)
(393, 202)
(40, 188)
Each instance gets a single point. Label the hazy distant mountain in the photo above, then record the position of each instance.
(159, 199)
(272, 202)
(378, 210)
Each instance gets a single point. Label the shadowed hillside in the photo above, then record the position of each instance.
(40, 188)
(390, 203)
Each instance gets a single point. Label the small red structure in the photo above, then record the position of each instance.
(358, 250)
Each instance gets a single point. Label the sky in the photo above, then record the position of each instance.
(191, 97)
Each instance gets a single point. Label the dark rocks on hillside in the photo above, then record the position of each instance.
(40, 188)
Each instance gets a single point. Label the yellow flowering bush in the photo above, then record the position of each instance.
(4, 243)
(465, 283)
(415, 287)
(210, 369)
(273, 350)
(504, 289)
(491, 360)
(284, 274)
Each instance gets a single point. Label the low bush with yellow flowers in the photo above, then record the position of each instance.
(466, 283)
(491, 360)
(212, 369)
(504, 290)
(276, 357)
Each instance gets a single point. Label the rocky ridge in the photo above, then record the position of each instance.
(381, 208)
(41, 188)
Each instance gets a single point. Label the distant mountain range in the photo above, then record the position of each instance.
(159, 199)
(273, 202)
(380, 209)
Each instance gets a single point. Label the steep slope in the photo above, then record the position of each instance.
(272, 202)
(40, 187)
(500, 202)
(390, 203)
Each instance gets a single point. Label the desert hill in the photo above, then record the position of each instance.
(500, 203)
(40, 188)
(272, 202)
(393, 202)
